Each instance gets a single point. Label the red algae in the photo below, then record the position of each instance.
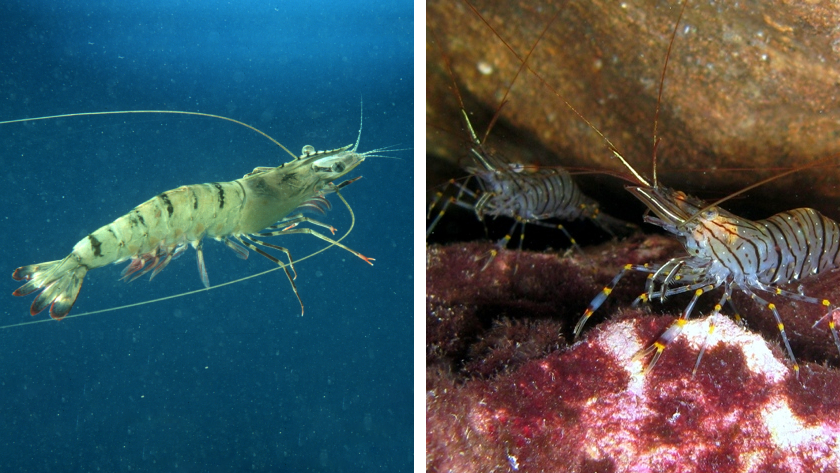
(506, 392)
(593, 405)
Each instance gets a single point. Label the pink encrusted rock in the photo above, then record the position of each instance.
(507, 393)
(593, 408)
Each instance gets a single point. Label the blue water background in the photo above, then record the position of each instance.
(232, 379)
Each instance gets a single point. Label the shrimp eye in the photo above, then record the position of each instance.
(338, 167)
(710, 214)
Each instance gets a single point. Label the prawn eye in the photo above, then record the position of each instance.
(338, 167)
(710, 214)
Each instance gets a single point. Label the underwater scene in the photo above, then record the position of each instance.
(240, 377)
(632, 267)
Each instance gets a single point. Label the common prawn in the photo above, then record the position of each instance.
(266, 202)
(526, 194)
(725, 250)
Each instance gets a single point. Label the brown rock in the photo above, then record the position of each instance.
(749, 85)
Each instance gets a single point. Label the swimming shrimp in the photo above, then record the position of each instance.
(260, 204)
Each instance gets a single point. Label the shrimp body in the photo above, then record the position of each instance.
(526, 194)
(781, 249)
(160, 229)
(732, 252)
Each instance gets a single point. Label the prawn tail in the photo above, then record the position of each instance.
(60, 282)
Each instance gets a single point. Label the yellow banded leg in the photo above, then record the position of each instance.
(645, 297)
(828, 316)
(657, 347)
(558, 226)
(655, 350)
(736, 314)
(462, 189)
(521, 240)
(726, 296)
(813, 300)
(772, 308)
(605, 292)
(502, 244)
(831, 324)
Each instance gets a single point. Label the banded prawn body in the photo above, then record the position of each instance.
(726, 251)
(265, 202)
(734, 253)
(526, 194)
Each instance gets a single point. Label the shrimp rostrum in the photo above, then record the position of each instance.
(260, 204)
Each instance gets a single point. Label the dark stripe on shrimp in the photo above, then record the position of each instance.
(795, 252)
(778, 247)
(714, 235)
(221, 195)
(165, 199)
(749, 241)
(811, 226)
(96, 245)
(803, 219)
(830, 238)
(823, 240)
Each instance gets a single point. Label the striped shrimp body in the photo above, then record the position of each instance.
(728, 251)
(732, 252)
(160, 229)
(527, 194)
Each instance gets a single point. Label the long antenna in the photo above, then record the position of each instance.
(609, 143)
(497, 113)
(518, 71)
(760, 183)
(661, 87)
(170, 112)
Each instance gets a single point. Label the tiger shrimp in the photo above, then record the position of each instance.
(260, 204)
(526, 194)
